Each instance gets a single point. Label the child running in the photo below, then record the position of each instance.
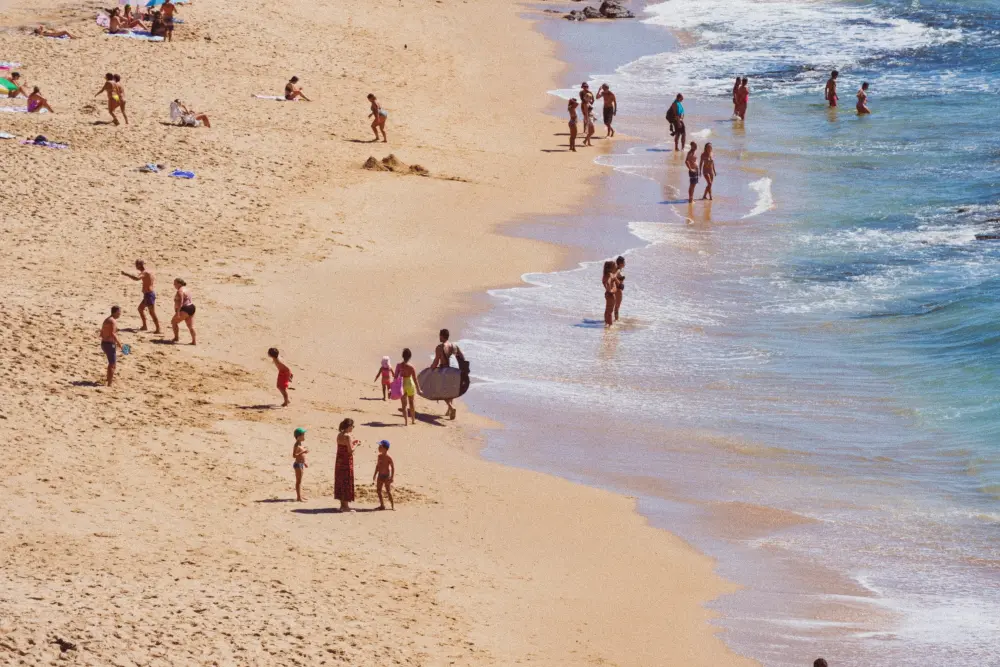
(386, 374)
(299, 452)
(284, 375)
(411, 385)
(385, 471)
(379, 116)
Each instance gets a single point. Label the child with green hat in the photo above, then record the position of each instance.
(299, 455)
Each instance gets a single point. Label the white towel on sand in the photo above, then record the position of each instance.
(276, 98)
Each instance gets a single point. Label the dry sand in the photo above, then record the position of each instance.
(151, 523)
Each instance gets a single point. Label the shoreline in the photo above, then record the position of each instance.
(159, 509)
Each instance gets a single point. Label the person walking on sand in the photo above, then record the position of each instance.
(707, 166)
(385, 472)
(743, 98)
(299, 464)
(610, 107)
(691, 162)
(619, 283)
(573, 127)
(411, 385)
(587, 109)
(113, 99)
(610, 292)
(830, 92)
(293, 92)
(862, 106)
(109, 341)
(148, 295)
(167, 14)
(378, 116)
(675, 116)
(343, 472)
(442, 359)
(284, 375)
(183, 311)
(384, 372)
(120, 91)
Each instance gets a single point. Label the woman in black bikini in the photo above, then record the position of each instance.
(610, 292)
(183, 311)
(620, 283)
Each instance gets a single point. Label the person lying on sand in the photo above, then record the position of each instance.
(293, 92)
(114, 99)
(379, 117)
(17, 85)
(36, 102)
(181, 114)
(41, 31)
(148, 294)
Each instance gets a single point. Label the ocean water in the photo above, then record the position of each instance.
(806, 380)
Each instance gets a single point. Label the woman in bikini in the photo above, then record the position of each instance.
(183, 311)
(113, 97)
(378, 116)
(620, 283)
(610, 292)
(571, 107)
(707, 164)
(343, 470)
(120, 92)
(36, 102)
(862, 107)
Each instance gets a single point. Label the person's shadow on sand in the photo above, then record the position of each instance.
(334, 510)
(86, 383)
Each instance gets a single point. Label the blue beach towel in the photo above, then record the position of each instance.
(177, 173)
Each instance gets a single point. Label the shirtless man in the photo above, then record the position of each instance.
(691, 162)
(15, 78)
(610, 107)
(109, 341)
(442, 359)
(148, 294)
(293, 92)
(167, 14)
(120, 91)
(830, 92)
(113, 98)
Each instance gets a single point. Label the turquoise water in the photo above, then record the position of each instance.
(820, 340)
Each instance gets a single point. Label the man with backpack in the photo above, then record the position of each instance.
(675, 116)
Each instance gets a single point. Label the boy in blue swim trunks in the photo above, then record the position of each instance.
(148, 294)
(299, 452)
(385, 471)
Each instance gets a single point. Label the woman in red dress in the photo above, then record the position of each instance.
(343, 472)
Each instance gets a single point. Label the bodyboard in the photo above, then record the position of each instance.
(440, 383)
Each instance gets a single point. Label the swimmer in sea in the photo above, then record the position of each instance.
(113, 98)
(830, 92)
(148, 294)
(862, 107)
(691, 162)
(378, 116)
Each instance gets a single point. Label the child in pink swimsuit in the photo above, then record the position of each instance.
(385, 372)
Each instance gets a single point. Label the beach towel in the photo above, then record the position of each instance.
(177, 173)
(276, 98)
(16, 110)
(44, 144)
(7, 135)
(4, 64)
(145, 36)
(150, 168)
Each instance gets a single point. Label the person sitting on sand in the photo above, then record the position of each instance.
(691, 162)
(384, 473)
(862, 107)
(36, 102)
(42, 31)
(284, 375)
(148, 294)
(183, 311)
(610, 107)
(411, 385)
(293, 92)
(573, 123)
(182, 115)
(109, 341)
(299, 464)
(157, 28)
(130, 21)
(17, 85)
(167, 12)
(116, 24)
(114, 99)
(343, 469)
(378, 116)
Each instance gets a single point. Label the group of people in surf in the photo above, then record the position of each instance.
(830, 94)
(585, 107)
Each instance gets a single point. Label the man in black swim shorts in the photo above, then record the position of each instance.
(109, 341)
(691, 162)
(610, 107)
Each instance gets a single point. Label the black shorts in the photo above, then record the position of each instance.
(189, 309)
(110, 351)
(609, 115)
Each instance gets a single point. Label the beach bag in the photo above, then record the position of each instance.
(396, 388)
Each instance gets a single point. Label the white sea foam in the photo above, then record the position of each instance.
(765, 200)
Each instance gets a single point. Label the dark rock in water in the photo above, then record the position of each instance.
(988, 237)
(575, 15)
(592, 13)
(614, 10)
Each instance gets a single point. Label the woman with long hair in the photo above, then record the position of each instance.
(610, 292)
(343, 471)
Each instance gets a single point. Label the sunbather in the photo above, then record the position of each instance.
(42, 31)
(293, 92)
(36, 102)
(16, 88)
(180, 114)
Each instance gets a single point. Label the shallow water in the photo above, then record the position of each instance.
(805, 383)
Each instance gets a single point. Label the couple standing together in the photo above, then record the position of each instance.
(586, 105)
(614, 288)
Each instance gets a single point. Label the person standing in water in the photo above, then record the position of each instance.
(675, 116)
(610, 292)
(620, 283)
(442, 359)
(573, 126)
(148, 294)
(610, 107)
(736, 103)
(743, 98)
(707, 166)
(862, 107)
(378, 116)
(691, 162)
(830, 92)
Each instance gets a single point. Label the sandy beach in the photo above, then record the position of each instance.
(152, 523)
